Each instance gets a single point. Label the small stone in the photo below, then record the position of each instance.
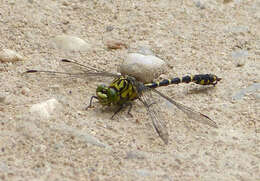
(7, 55)
(45, 109)
(25, 91)
(238, 29)
(240, 57)
(112, 44)
(70, 43)
(143, 68)
(65, 3)
(144, 172)
(82, 136)
(58, 146)
(239, 54)
(109, 28)
(249, 90)
(240, 62)
(134, 155)
(227, 1)
(145, 50)
(199, 4)
(149, 173)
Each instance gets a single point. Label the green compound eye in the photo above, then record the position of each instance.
(101, 95)
(101, 88)
(106, 95)
(102, 92)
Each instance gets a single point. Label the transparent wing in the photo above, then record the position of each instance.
(85, 71)
(190, 112)
(155, 114)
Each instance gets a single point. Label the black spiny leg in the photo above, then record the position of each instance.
(123, 106)
(117, 111)
(90, 102)
(130, 108)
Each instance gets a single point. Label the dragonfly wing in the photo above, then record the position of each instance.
(80, 75)
(190, 112)
(79, 66)
(83, 70)
(155, 114)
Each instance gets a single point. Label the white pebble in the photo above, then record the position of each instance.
(70, 43)
(145, 68)
(7, 55)
(240, 57)
(45, 109)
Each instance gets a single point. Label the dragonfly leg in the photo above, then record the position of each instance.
(117, 111)
(123, 106)
(130, 108)
(90, 102)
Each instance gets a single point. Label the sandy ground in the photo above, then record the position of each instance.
(190, 36)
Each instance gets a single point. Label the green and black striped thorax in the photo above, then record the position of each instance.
(121, 90)
(127, 88)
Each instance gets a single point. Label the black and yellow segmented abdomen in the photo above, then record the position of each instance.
(201, 79)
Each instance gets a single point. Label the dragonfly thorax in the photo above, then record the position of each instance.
(120, 91)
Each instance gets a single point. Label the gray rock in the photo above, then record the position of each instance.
(70, 43)
(109, 28)
(240, 56)
(82, 136)
(134, 155)
(149, 173)
(144, 68)
(144, 172)
(238, 29)
(7, 55)
(145, 50)
(44, 110)
(249, 90)
(199, 4)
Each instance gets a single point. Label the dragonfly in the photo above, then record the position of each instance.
(125, 89)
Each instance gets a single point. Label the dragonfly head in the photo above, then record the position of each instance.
(105, 94)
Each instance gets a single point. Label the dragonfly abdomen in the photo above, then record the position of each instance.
(201, 79)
